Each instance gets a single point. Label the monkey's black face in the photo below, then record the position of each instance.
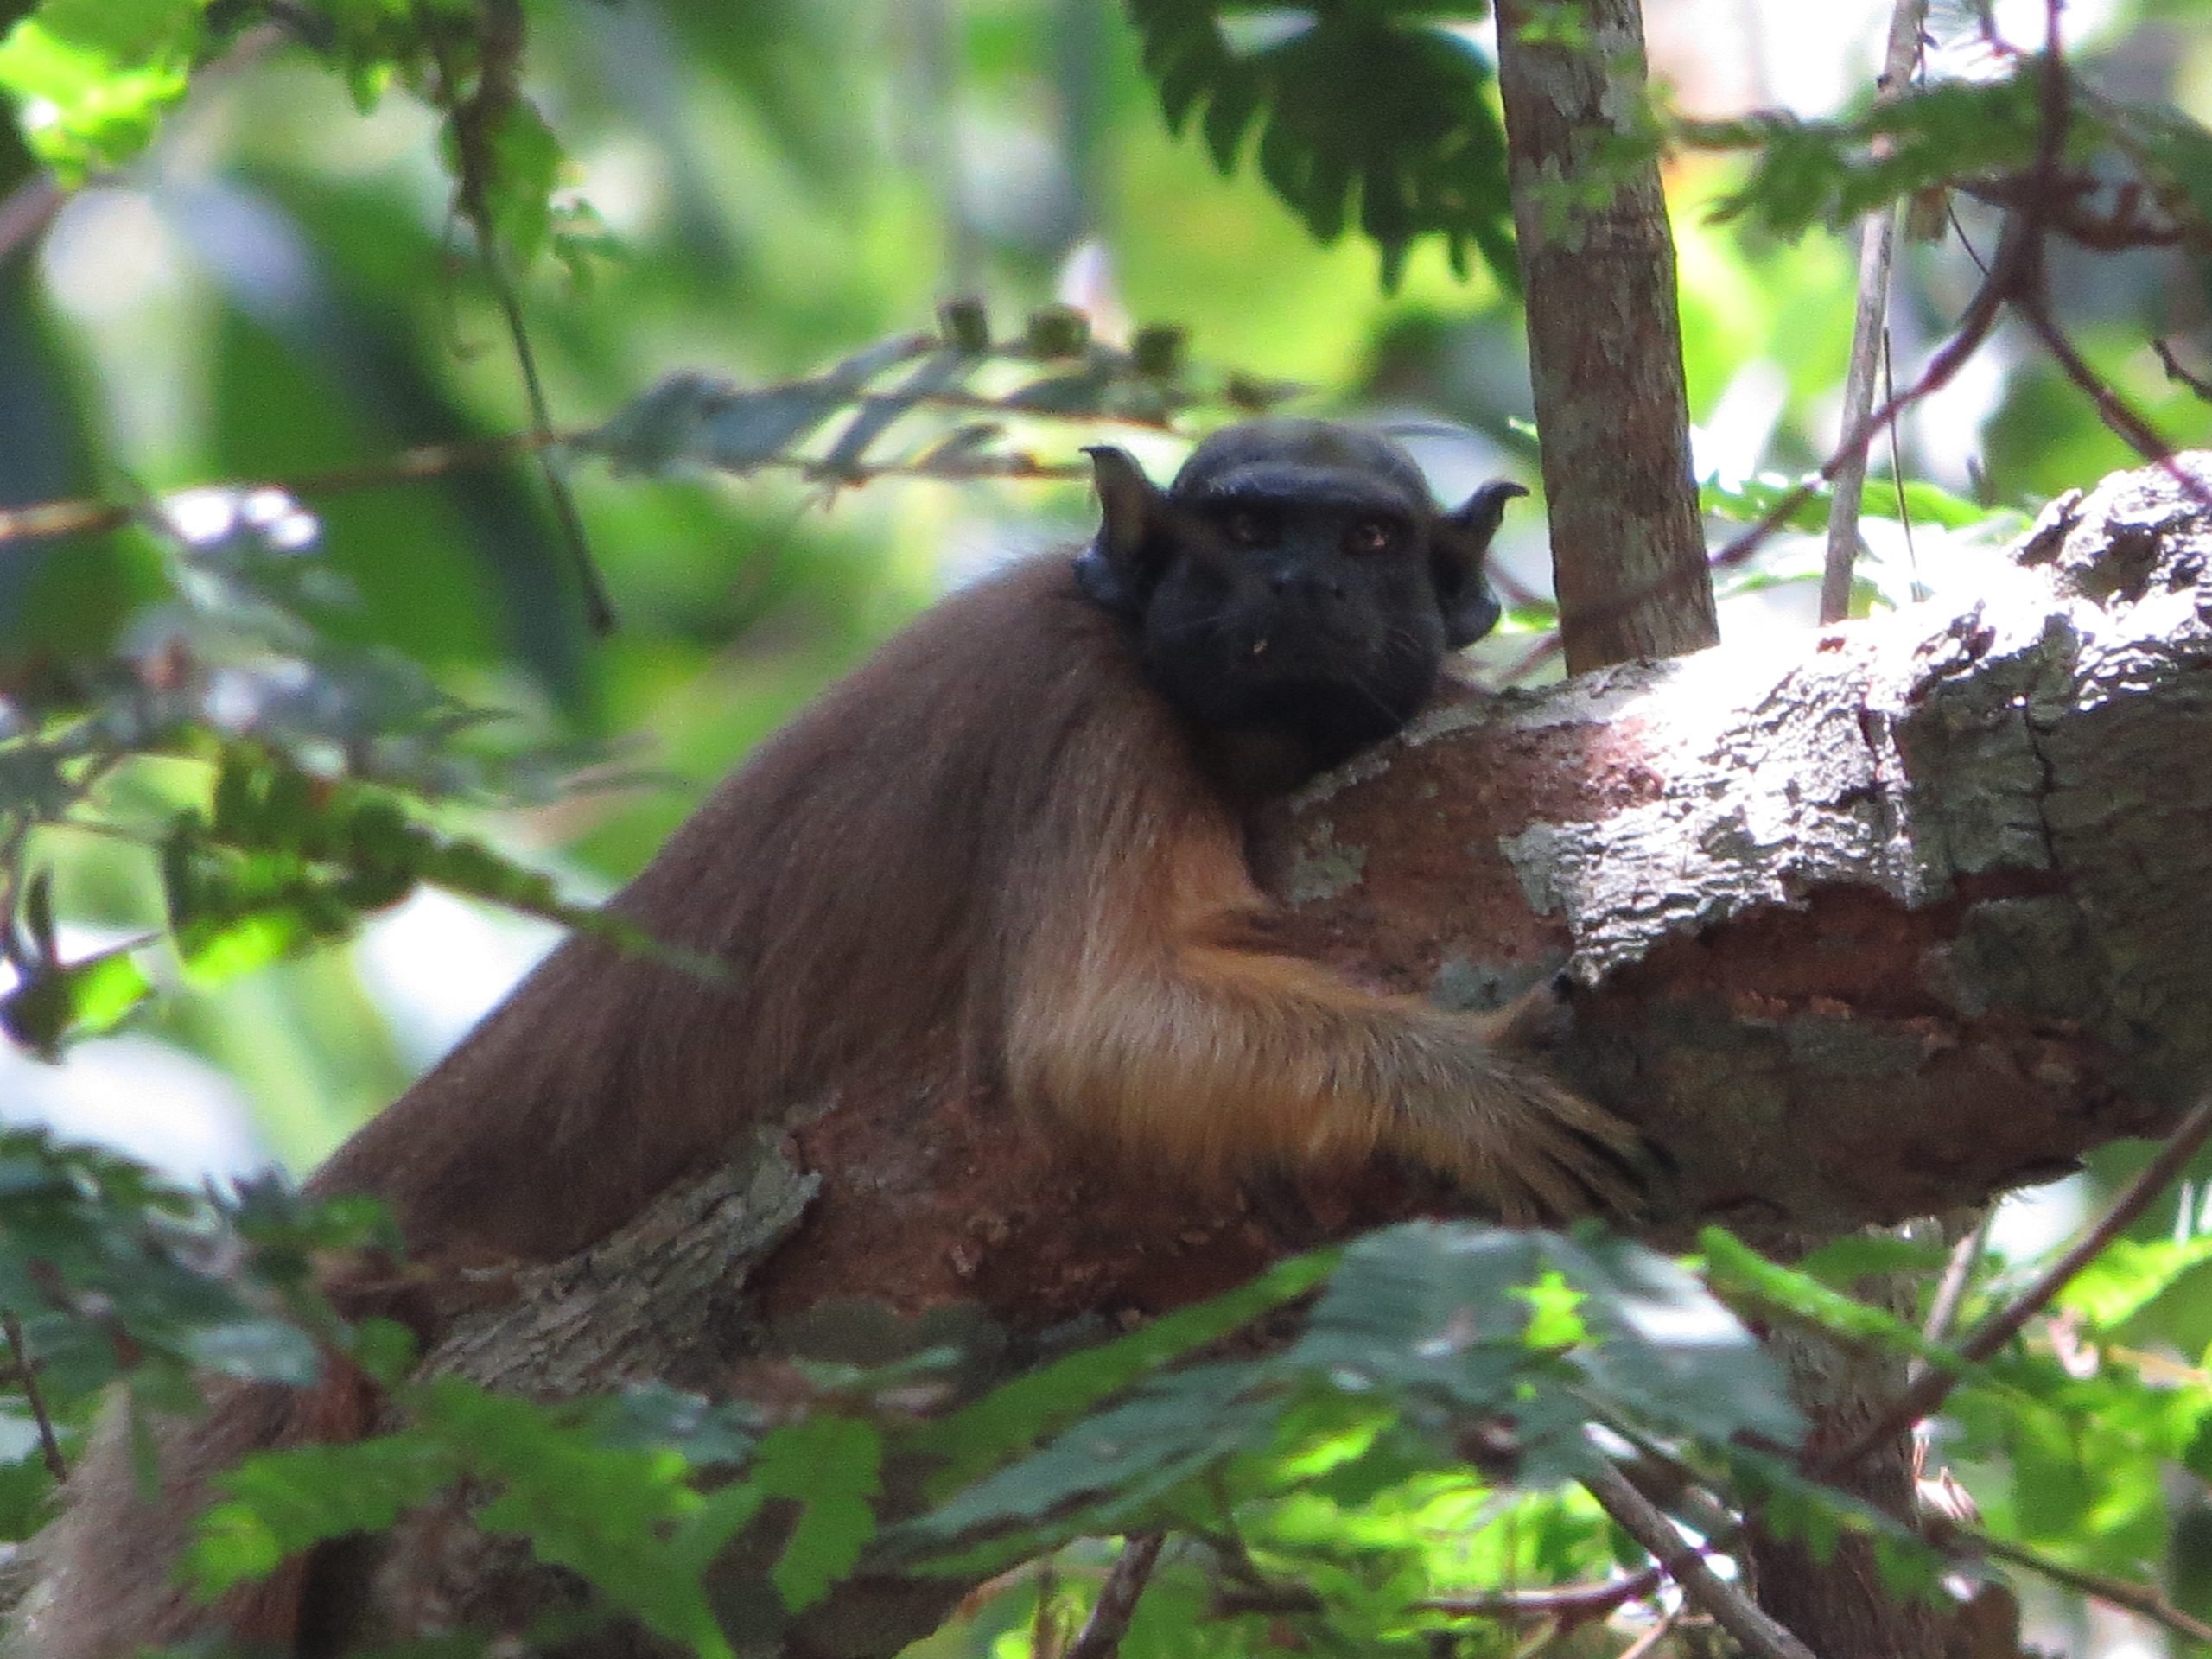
(1312, 617)
(1295, 584)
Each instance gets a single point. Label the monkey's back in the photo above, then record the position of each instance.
(864, 876)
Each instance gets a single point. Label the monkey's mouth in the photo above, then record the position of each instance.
(1341, 713)
(1315, 645)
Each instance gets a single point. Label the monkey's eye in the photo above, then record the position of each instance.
(1370, 536)
(1252, 527)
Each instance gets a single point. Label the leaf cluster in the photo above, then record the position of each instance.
(313, 762)
(1424, 1347)
(1378, 114)
(951, 401)
(111, 1274)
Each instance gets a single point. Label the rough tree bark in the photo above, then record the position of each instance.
(1605, 337)
(1865, 925)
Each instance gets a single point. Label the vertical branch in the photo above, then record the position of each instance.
(1604, 343)
(1877, 239)
(1101, 1634)
(476, 118)
(49, 1444)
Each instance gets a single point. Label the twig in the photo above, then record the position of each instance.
(1652, 1637)
(1228, 1600)
(2030, 301)
(2030, 297)
(475, 119)
(27, 210)
(86, 516)
(1877, 238)
(48, 1445)
(2014, 277)
(1572, 1604)
(1921, 1397)
(2125, 1594)
(1733, 1610)
(1951, 1289)
(1896, 478)
(1547, 646)
(2178, 371)
(1102, 1633)
(1974, 324)
(2122, 229)
(2112, 409)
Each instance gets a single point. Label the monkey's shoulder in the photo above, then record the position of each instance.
(1002, 685)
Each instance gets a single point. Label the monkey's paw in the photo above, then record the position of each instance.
(1523, 1141)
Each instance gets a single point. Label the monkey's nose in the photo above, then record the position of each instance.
(1305, 584)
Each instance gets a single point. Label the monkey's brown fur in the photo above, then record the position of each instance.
(996, 827)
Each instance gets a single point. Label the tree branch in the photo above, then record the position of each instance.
(1926, 1394)
(1102, 1633)
(1877, 237)
(1733, 1610)
(2125, 1594)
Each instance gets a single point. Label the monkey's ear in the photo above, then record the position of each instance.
(1117, 568)
(1462, 541)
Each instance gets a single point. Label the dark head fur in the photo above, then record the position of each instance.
(1296, 585)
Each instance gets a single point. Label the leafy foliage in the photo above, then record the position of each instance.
(112, 1272)
(975, 388)
(1423, 1338)
(1378, 113)
(1453, 1335)
(90, 77)
(1805, 174)
(113, 1275)
(316, 757)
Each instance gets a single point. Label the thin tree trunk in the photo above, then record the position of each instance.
(1605, 341)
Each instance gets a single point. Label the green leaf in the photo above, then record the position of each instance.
(1752, 499)
(606, 1513)
(1112, 1464)
(1842, 1263)
(1735, 1264)
(283, 862)
(1809, 173)
(830, 1465)
(1015, 1416)
(90, 78)
(277, 1504)
(526, 169)
(709, 1435)
(1383, 107)
(1429, 1307)
(270, 1350)
(1664, 1350)
(1448, 1312)
(179, 1280)
(2128, 1274)
(1422, 1331)
(57, 1000)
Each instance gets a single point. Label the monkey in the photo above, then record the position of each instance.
(1021, 821)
